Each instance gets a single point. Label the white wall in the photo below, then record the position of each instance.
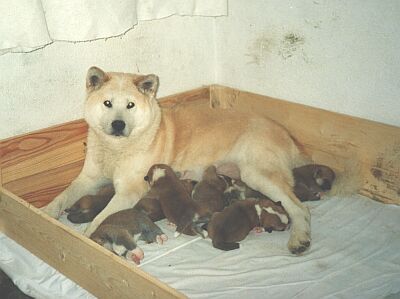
(47, 87)
(342, 56)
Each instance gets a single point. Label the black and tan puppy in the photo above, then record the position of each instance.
(234, 223)
(120, 231)
(87, 207)
(312, 180)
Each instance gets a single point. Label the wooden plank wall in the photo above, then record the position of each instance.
(366, 149)
(39, 165)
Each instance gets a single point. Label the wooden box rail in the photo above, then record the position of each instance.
(35, 167)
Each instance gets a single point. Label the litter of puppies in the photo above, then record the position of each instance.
(220, 206)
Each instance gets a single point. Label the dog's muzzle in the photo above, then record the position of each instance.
(118, 127)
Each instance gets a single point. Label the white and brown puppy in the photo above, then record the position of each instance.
(234, 223)
(175, 200)
(119, 233)
(129, 132)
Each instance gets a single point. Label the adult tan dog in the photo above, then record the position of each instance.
(129, 132)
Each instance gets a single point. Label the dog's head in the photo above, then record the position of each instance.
(119, 104)
(323, 176)
(159, 171)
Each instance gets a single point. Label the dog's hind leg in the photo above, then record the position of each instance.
(278, 188)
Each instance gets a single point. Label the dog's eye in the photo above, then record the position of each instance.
(130, 105)
(107, 104)
(146, 178)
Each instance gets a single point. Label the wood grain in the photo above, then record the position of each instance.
(41, 188)
(337, 140)
(42, 150)
(91, 266)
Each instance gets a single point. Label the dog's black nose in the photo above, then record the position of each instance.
(118, 125)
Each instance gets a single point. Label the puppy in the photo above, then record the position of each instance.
(87, 207)
(234, 223)
(312, 180)
(175, 200)
(209, 192)
(120, 231)
(150, 205)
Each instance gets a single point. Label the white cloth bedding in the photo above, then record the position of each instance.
(355, 253)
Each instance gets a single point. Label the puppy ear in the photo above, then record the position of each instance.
(95, 78)
(147, 85)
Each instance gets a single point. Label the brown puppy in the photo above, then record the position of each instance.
(234, 223)
(150, 205)
(209, 192)
(87, 207)
(120, 231)
(312, 180)
(175, 200)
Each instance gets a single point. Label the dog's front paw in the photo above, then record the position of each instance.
(90, 229)
(300, 237)
(53, 209)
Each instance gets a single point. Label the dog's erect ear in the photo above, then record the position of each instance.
(147, 85)
(95, 78)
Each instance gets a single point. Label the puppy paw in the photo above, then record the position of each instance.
(172, 225)
(258, 229)
(135, 255)
(160, 239)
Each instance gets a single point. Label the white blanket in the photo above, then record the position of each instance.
(355, 253)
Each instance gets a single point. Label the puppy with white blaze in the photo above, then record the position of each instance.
(129, 132)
